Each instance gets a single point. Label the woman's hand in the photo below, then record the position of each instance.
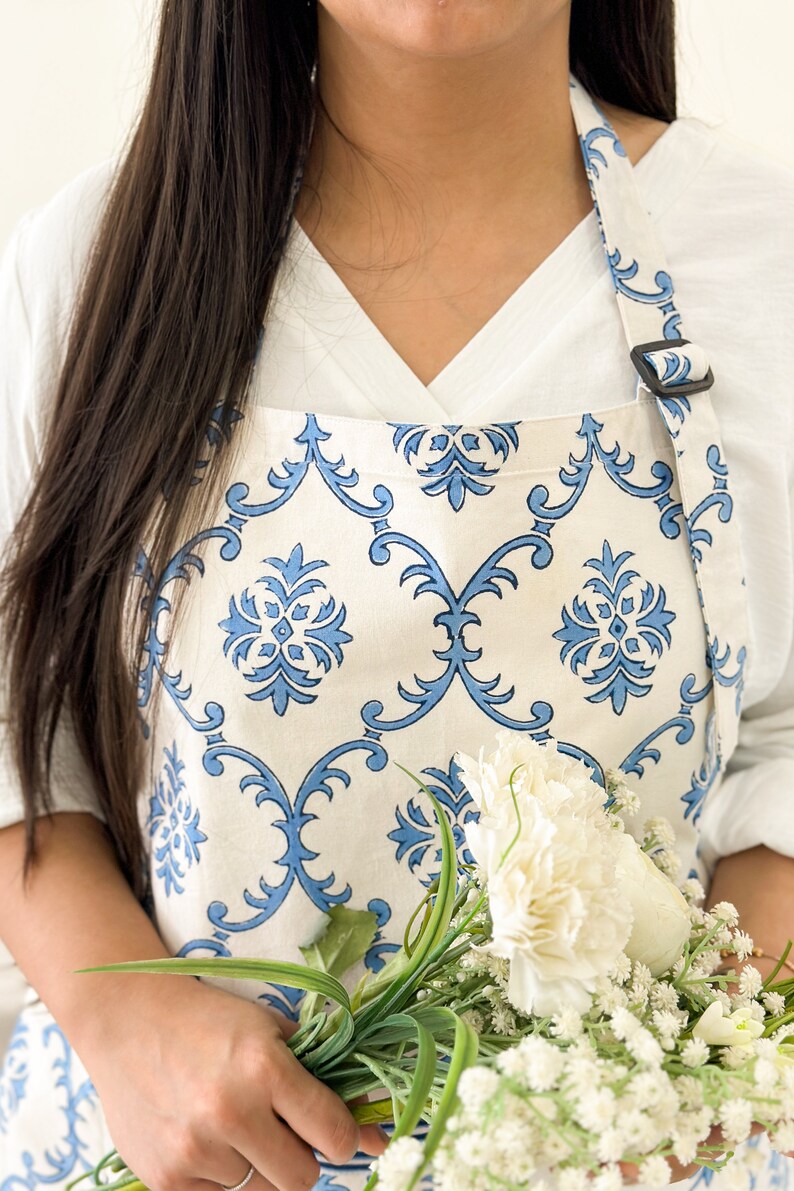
(196, 1093)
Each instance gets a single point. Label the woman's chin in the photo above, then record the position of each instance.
(440, 28)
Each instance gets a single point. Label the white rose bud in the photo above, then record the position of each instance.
(661, 914)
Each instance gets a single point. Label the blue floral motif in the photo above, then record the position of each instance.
(274, 633)
(416, 835)
(14, 1074)
(173, 825)
(70, 1154)
(456, 460)
(155, 603)
(626, 629)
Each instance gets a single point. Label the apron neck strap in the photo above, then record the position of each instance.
(668, 364)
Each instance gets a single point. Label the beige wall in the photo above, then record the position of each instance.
(71, 74)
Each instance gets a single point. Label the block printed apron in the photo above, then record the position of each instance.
(373, 591)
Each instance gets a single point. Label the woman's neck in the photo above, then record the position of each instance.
(441, 138)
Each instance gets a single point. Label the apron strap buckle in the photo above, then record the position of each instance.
(672, 367)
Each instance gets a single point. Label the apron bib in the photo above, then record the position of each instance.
(374, 592)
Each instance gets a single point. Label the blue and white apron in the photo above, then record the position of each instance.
(372, 591)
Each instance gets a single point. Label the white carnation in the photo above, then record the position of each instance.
(551, 890)
(569, 890)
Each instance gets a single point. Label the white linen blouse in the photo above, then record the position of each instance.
(725, 216)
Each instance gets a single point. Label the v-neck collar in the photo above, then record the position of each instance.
(310, 291)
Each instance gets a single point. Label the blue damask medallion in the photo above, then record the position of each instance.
(614, 638)
(416, 835)
(285, 638)
(456, 460)
(173, 825)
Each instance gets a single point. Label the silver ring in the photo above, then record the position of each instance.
(244, 1183)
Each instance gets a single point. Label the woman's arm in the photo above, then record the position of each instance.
(77, 912)
(760, 883)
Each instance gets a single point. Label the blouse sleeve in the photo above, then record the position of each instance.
(755, 802)
(36, 288)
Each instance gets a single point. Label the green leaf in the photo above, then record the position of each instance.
(424, 1076)
(434, 928)
(267, 971)
(372, 1112)
(347, 937)
(304, 1038)
(464, 1054)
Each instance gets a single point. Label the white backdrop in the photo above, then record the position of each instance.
(72, 73)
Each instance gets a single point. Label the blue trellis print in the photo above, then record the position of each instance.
(613, 640)
(618, 465)
(173, 825)
(594, 157)
(67, 1152)
(14, 1075)
(704, 779)
(286, 637)
(455, 617)
(456, 460)
(416, 835)
(219, 431)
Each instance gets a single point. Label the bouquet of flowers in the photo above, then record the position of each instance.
(559, 1013)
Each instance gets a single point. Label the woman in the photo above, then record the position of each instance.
(443, 502)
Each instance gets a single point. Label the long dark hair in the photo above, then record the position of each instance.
(163, 332)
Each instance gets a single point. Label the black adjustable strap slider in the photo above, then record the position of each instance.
(666, 369)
